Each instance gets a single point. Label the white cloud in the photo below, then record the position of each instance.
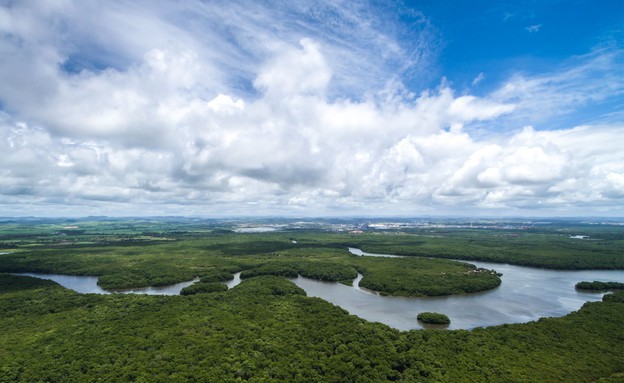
(295, 72)
(480, 77)
(533, 28)
(226, 104)
(549, 168)
(590, 79)
(470, 108)
(167, 127)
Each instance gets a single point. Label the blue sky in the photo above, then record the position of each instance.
(498, 39)
(519, 35)
(312, 108)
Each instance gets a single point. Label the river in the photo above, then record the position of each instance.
(525, 294)
(88, 285)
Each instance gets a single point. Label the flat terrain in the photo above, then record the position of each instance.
(266, 329)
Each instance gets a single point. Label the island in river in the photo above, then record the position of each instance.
(267, 328)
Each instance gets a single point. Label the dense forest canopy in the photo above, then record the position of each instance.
(600, 286)
(433, 318)
(266, 328)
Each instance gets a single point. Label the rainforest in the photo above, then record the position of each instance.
(267, 328)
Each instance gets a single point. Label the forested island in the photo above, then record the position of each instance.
(433, 318)
(267, 328)
(600, 286)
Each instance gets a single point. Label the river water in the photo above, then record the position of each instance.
(88, 285)
(525, 294)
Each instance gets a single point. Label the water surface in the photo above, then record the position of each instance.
(88, 285)
(525, 294)
(234, 281)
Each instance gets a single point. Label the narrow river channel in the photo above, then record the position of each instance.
(88, 285)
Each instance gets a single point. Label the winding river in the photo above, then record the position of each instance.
(525, 294)
(88, 285)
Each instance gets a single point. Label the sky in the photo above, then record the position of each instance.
(312, 108)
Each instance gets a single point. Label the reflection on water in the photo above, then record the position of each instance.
(234, 281)
(525, 294)
(88, 285)
(355, 251)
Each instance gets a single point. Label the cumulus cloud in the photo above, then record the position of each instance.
(166, 126)
(547, 168)
(295, 72)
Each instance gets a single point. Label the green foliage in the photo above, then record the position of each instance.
(139, 253)
(433, 318)
(615, 378)
(548, 248)
(135, 277)
(268, 285)
(266, 329)
(615, 297)
(324, 271)
(600, 286)
(415, 276)
(216, 275)
(203, 288)
(11, 283)
(282, 269)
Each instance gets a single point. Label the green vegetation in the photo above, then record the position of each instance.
(541, 244)
(547, 249)
(433, 318)
(215, 256)
(615, 378)
(203, 288)
(415, 276)
(266, 329)
(139, 253)
(619, 297)
(600, 286)
(323, 271)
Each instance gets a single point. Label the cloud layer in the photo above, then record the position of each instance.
(116, 108)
